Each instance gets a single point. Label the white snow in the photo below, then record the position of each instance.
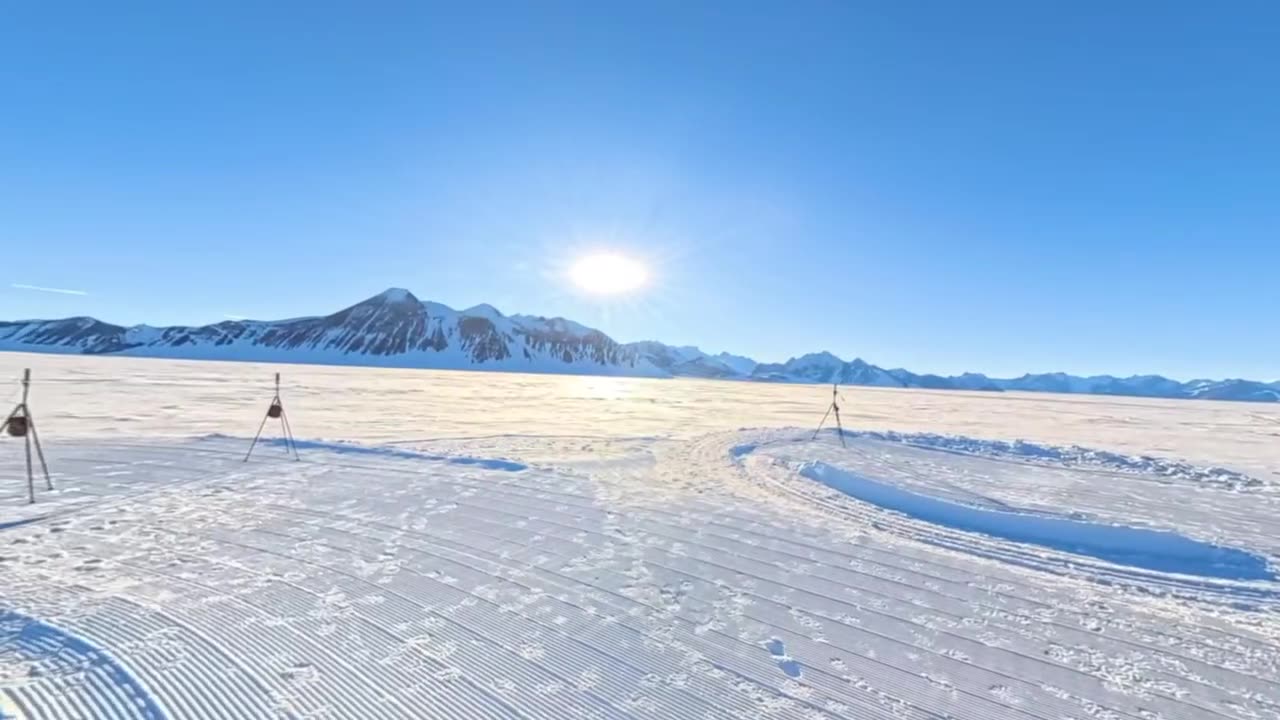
(740, 365)
(484, 310)
(396, 295)
(481, 545)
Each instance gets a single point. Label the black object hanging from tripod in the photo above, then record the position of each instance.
(20, 424)
(833, 408)
(276, 410)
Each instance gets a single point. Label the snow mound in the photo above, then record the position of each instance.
(1069, 455)
(1162, 551)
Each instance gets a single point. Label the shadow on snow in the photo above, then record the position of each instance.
(63, 654)
(349, 449)
(20, 523)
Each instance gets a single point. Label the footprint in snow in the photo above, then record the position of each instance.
(785, 662)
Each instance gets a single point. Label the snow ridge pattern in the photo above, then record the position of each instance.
(30, 648)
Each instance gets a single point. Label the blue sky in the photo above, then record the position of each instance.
(999, 187)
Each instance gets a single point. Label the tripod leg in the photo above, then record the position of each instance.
(31, 483)
(288, 430)
(839, 427)
(48, 483)
(284, 433)
(824, 421)
(255, 438)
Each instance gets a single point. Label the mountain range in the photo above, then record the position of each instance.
(396, 329)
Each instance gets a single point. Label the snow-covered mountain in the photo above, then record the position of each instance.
(740, 365)
(1145, 386)
(824, 367)
(1234, 390)
(679, 360)
(396, 329)
(827, 368)
(392, 328)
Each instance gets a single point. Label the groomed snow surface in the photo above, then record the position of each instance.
(554, 573)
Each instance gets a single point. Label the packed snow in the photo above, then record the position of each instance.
(468, 545)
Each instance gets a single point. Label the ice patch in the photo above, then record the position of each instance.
(1158, 550)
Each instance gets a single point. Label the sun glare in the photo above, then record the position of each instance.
(608, 274)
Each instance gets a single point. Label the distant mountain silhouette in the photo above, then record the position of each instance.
(396, 329)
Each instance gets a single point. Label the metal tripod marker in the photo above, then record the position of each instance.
(276, 410)
(21, 424)
(834, 407)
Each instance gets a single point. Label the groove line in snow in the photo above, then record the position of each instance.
(780, 629)
(524, 583)
(1029, 659)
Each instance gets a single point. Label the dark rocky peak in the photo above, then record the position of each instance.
(481, 339)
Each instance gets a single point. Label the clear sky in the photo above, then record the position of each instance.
(944, 186)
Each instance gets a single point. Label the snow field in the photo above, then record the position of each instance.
(129, 399)
(401, 582)
(462, 545)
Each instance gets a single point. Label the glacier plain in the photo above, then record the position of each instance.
(484, 545)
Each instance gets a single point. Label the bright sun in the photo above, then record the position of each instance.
(608, 274)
